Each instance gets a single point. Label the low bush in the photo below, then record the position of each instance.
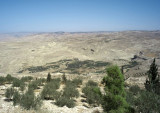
(33, 85)
(9, 93)
(63, 101)
(77, 81)
(70, 91)
(91, 83)
(17, 83)
(9, 78)
(49, 90)
(40, 81)
(26, 79)
(93, 94)
(134, 89)
(29, 100)
(2, 80)
(143, 101)
(16, 98)
(56, 82)
(22, 86)
(148, 102)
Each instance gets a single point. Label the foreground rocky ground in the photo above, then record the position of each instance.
(76, 54)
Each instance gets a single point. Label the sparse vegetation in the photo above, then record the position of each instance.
(26, 79)
(71, 65)
(63, 101)
(91, 83)
(115, 99)
(49, 91)
(16, 98)
(18, 83)
(36, 83)
(33, 85)
(92, 92)
(2, 80)
(77, 81)
(143, 101)
(70, 92)
(9, 93)
(29, 100)
(9, 78)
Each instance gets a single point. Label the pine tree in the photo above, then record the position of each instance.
(153, 80)
(114, 101)
(153, 72)
(49, 77)
(64, 79)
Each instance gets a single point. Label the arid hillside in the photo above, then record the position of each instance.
(18, 52)
(77, 55)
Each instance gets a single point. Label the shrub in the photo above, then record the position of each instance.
(40, 81)
(70, 91)
(9, 78)
(62, 101)
(143, 101)
(34, 84)
(49, 90)
(2, 80)
(93, 94)
(134, 89)
(91, 83)
(148, 102)
(22, 86)
(56, 82)
(43, 80)
(74, 83)
(77, 81)
(16, 98)
(26, 79)
(130, 98)
(29, 100)
(17, 83)
(9, 93)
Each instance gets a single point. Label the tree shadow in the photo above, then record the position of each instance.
(7, 100)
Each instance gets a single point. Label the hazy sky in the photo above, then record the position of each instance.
(78, 15)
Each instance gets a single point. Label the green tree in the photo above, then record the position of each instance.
(16, 98)
(2, 80)
(114, 101)
(29, 100)
(49, 77)
(153, 81)
(9, 78)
